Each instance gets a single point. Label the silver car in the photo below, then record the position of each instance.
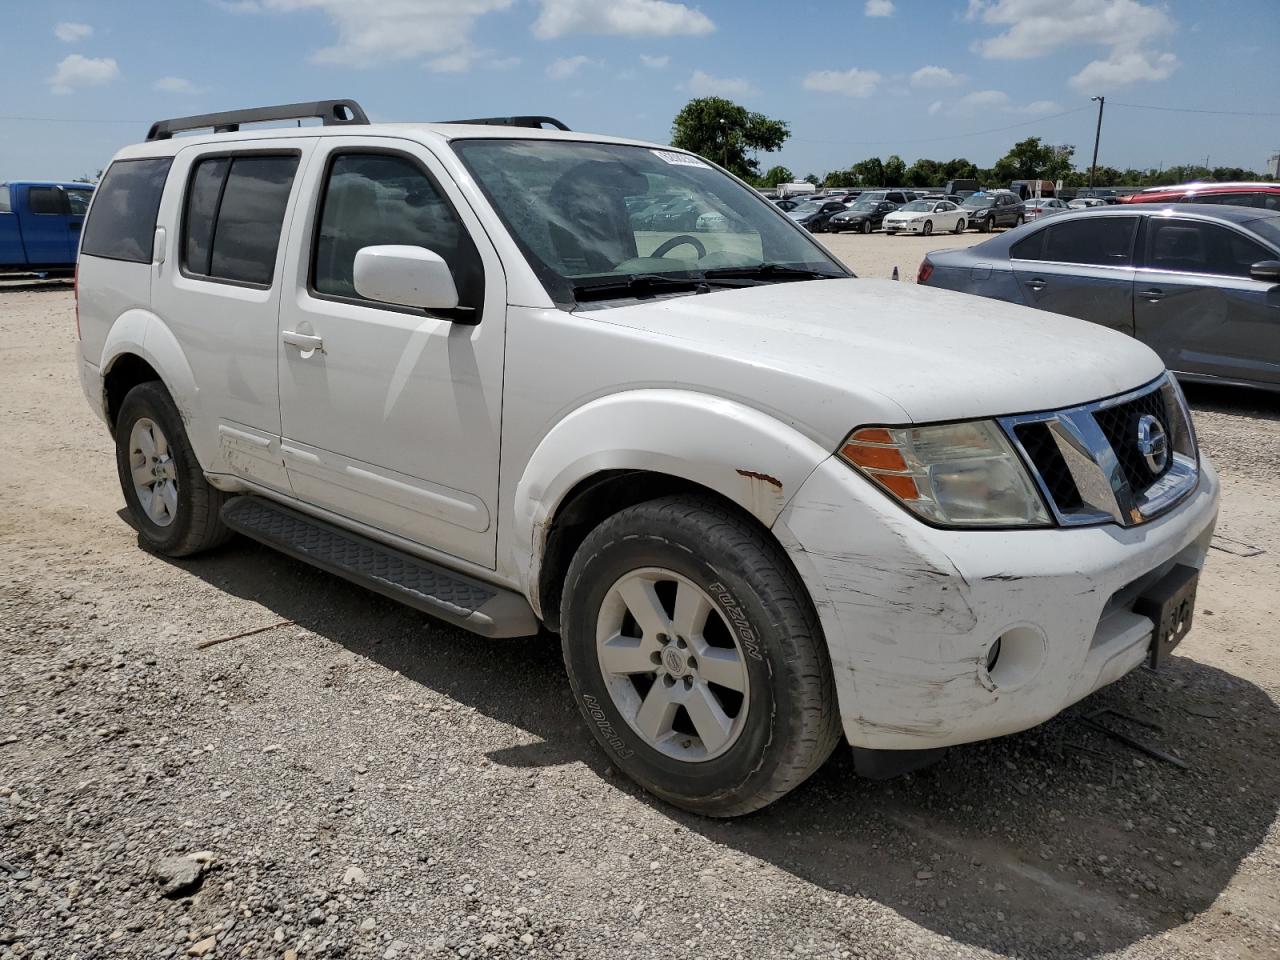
(1199, 286)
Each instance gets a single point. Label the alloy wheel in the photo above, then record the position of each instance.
(154, 472)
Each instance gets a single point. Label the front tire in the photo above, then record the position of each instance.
(172, 505)
(984, 225)
(927, 229)
(866, 226)
(697, 658)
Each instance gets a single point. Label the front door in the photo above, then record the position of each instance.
(391, 414)
(224, 211)
(1082, 268)
(1196, 305)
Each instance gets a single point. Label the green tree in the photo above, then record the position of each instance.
(960, 169)
(870, 172)
(724, 132)
(776, 175)
(925, 173)
(1033, 159)
(895, 171)
(812, 178)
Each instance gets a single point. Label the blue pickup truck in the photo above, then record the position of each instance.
(40, 225)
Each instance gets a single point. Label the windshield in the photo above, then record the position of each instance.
(812, 206)
(1268, 228)
(919, 206)
(978, 203)
(862, 206)
(576, 210)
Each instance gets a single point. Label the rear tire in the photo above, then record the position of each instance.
(718, 601)
(960, 225)
(172, 505)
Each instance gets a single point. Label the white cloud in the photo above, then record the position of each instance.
(935, 108)
(370, 34)
(1123, 68)
(935, 77)
(651, 18)
(1037, 27)
(981, 100)
(851, 83)
(69, 32)
(1038, 106)
(879, 8)
(566, 67)
(77, 71)
(654, 63)
(176, 85)
(703, 84)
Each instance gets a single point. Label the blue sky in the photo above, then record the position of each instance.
(854, 78)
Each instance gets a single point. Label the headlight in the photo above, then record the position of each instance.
(955, 474)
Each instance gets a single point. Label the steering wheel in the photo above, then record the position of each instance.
(668, 245)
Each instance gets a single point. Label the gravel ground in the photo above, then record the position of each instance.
(361, 781)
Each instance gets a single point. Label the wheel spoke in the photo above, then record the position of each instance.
(692, 610)
(708, 718)
(656, 714)
(642, 600)
(621, 654)
(168, 495)
(153, 506)
(161, 442)
(146, 442)
(142, 476)
(724, 667)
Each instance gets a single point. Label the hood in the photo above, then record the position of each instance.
(891, 352)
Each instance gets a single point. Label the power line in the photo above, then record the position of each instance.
(953, 136)
(1225, 113)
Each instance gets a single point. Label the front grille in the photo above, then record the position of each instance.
(1087, 462)
(1048, 460)
(1120, 425)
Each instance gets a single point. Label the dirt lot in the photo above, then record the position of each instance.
(365, 782)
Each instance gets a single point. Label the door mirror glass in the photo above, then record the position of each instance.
(1266, 270)
(405, 275)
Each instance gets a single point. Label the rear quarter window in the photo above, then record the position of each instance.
(122, 220)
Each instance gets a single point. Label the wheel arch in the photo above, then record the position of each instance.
(139, 347)
(627, 448)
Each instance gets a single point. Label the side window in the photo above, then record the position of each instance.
(122, 223)
(1029, 248)
(374, 199)
(4, 199)
(45, 200)
(1195, 247)
(1093, 241)
(79, 201)
(234, 214)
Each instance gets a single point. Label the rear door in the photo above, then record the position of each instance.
(77, 205)
(1196, 305)
(1080, 267)
(45, 225)
(218, 291)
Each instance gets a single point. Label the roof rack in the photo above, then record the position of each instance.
(330, 112)
(537, 122)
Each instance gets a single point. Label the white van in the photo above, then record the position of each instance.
(766, 505)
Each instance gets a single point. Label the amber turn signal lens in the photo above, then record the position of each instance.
(874, 458)
(900, 485)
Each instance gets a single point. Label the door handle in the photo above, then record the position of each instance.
(1036, 283)
(303, 341)
(1153, 294)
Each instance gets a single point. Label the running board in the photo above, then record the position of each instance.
(471, 604)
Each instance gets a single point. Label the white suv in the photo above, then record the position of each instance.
(765, 504)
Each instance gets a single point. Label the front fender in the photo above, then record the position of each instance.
(142, 333)
(749, 457)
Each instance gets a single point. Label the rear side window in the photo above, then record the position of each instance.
(1192, 246)
(374, 199)
(45, 200)
(4, 199)
(78, 201)
(1256, 198)
(1093, 241)
(234, 214)
(122, 224)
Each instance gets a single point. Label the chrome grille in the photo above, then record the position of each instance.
(1088, 463)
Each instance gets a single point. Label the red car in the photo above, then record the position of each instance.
(1263, 195)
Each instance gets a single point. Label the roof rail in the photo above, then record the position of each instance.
(330, 112)
(537, 122)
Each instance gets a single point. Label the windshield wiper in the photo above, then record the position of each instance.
(638, 285)
(767, 271)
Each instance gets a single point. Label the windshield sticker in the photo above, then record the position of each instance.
(679, 159)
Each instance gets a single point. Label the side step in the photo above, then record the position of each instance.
(471, 604)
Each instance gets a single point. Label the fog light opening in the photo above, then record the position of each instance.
(1015, 657)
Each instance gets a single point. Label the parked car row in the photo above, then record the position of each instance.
(908, 211)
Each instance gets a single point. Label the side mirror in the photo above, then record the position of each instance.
(1266, 270)
(409, 276)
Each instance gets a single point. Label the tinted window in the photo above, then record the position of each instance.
(45, 200)
(1195, 247)
(122, 223)
(1094, 241)
(247, 232)
(201, 210)
(79, 201)
(376, 199)
(1264, 201)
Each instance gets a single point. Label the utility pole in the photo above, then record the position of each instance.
(1102, 102)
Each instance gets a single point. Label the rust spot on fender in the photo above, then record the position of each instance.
(753, 475)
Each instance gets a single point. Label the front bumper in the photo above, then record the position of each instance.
(911, 611)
